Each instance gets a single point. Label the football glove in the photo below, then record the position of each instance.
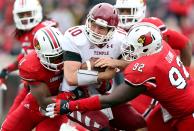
(59, 107)
(72, 95)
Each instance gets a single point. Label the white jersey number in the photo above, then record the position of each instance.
(138, 67)
(175, 76)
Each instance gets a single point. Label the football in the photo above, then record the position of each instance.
(99, 69)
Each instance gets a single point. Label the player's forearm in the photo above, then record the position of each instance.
(14, 66)
(45, 101)
(121, 64)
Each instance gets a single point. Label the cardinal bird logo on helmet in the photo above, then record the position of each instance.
(36, 44)
(145, 39)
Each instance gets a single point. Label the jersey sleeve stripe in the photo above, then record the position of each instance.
(150, 80)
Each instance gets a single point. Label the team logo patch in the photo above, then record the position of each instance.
(37, 45)
(145, 39)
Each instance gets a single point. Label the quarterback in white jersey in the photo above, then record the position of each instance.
(98, 38)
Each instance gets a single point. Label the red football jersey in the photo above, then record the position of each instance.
(31, 70)
(26, 39)
(166, 80)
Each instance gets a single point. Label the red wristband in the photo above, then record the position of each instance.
(87, 104)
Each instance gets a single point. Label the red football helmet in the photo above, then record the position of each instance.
(104, 15)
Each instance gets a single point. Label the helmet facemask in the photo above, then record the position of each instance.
(142, 40)
(52, 62)
(101, 23)
(95, 37)
(130, 12)
(28, 15)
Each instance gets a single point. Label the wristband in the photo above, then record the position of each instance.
(87, 104)
(88, 63)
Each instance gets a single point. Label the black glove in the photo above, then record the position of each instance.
(3, 74)
(78, 93)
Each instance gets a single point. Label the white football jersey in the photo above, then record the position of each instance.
(75, 40)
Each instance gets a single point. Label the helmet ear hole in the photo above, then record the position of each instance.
(145, 50)
(44, 38)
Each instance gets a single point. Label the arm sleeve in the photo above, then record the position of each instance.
(71, 56)
(175, 39)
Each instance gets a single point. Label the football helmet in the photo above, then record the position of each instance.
(104, 15)
(47, 44)
(142, 39)
(27, 14)
(136, 12)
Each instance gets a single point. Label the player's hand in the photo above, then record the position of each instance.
(92, 61)
(108, 74)
(89, 64)
(2, 84)
(59, 107)
(105, 62)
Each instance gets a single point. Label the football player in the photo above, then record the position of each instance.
(96, 39)
(159, 74)
(131, 12)
(28, 19)
(42, 70)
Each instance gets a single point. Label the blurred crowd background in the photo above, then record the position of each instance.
(177, 14)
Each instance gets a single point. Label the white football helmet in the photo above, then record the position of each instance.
(27, 14)
(105, 15)
(142, 39)
(47, 44)
(137, 11)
